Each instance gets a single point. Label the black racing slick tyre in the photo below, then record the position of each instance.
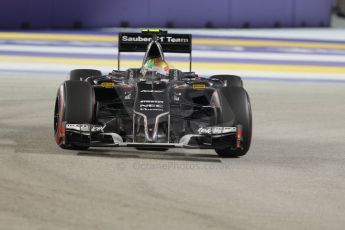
(82, 74)
(234, 109)
(74, 105)
(230, 80)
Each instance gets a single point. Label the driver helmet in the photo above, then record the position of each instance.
(156, 64)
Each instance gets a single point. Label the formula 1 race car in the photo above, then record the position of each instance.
(151, 110)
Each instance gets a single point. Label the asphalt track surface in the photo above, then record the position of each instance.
(292, 178)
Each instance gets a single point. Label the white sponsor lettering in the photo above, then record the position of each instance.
(150, 109)
(135, 39)
(177, 40)
(149, 101)
(229, 129)
(148, 39)
(216, 130)
(84, 127)
(151, 91)
(205, 130)
(151, 106)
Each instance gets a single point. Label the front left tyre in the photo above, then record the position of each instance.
(74, 105)
(233, 108)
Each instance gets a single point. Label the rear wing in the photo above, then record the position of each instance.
(171, 43)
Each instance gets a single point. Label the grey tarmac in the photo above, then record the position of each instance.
(292, 177)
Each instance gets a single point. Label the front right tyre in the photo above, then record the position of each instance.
(82, 74)
(74, 105)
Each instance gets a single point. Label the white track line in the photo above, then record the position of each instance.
(199, 54)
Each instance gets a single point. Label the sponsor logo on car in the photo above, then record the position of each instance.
(216, 130)
(108, 84)
(149, 105)
(84, 127)
(199, 86)
(149, 39)
(151, 91)
(150, 101)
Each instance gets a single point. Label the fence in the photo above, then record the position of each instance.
(15, 14)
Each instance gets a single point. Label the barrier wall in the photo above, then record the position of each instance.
(33, 14)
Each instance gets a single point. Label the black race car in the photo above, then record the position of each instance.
(151, 111)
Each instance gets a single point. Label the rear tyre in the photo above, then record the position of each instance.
(234, 109)
(82, 74)
(74, 104)
(230, 80)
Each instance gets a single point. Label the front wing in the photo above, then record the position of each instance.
(88, 135)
